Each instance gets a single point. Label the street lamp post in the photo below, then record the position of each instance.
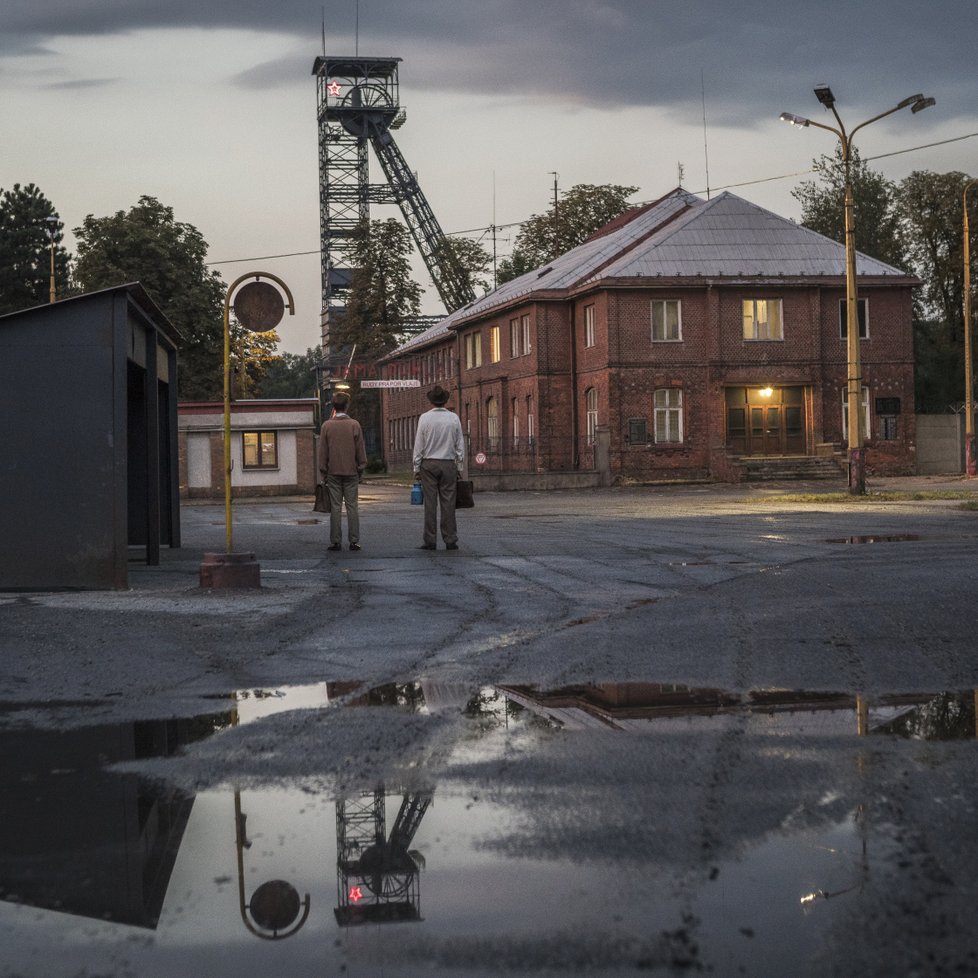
(857, 460)
(52, 223)
(969, 403)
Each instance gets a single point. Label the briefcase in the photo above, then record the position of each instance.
(321, 505)
(464, 498)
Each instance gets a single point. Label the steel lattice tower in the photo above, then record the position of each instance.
(358, 103)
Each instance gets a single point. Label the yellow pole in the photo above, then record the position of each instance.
(857, 468)
(969, 405)
(290, 305)
(227, 420)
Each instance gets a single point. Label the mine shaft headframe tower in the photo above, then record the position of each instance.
(358, 103)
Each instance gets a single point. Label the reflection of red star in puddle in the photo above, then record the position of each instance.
(333, 88)
(356, 894)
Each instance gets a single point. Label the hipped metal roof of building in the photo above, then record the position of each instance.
(679, 236)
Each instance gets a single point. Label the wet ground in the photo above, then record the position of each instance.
(674, 730)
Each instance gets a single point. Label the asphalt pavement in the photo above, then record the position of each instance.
(619, 731)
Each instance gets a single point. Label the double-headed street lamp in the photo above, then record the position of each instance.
(857, 461)
(969, 402)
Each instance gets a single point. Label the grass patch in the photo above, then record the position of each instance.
(970, 502)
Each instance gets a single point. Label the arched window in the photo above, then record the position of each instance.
(591, 404)
(492, 423)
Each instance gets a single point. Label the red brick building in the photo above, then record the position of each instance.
(683, 340)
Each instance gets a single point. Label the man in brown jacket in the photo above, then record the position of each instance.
(342, 458)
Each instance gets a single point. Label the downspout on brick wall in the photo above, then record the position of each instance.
(575, 448)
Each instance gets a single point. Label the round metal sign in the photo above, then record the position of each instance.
(259, 306)
(480, 458)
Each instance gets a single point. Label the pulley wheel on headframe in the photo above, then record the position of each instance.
(259, 306)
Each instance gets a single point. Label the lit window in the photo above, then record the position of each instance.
(259, 449)
(862, 311)
(591, 400)
(668, 404)
(762, 319)
(589, 325)
(494, 346)
(514, 337)
(666, 321)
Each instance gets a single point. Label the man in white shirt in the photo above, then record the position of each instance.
(439, 457)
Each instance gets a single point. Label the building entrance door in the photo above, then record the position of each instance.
(766, 420)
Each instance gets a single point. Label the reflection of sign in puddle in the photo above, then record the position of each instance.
(880, 538)
(545, 837)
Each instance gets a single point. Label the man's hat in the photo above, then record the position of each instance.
(438, 396)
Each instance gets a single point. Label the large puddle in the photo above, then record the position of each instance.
(498, 861)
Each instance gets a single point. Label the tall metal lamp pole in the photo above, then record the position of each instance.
(52, 223)
(969, 401)
(855, 424)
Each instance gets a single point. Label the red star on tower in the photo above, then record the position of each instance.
(333, 88)
(356, 894)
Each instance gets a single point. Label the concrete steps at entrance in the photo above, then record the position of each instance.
(774, 467)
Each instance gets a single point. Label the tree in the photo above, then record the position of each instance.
(383, 298)
(146, 245)
(473, 260)
(877, 226)
(251, 354)
(929, 206)
(930, 209)
(578, 214)
(291, 375)
(25, 249)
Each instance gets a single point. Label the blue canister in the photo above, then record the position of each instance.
(417, 496)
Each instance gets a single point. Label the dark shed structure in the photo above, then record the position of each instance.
(88, 417)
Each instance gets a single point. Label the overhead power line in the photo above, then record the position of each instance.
(728, 186)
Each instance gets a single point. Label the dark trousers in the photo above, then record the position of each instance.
(438, 478)
(343, 489)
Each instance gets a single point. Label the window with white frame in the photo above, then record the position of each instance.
(862, 312)
(591, 407)
(514, 338)
(529, 418)
(589, 325)
(762, 319)
(492, 423)
(525, 333)
(515, 408)
(668, 408)
(864, 409)
(495, 350)
(667, 326)
(473, 349)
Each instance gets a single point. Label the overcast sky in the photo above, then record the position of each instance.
(211, 106)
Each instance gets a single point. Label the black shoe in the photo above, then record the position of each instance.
(334, 546)
(355, 546)
(427, 546)
(451, 546)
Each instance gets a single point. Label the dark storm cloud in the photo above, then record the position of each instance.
(753, 55)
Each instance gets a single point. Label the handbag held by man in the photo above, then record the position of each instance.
(321, 505)
(464, 497)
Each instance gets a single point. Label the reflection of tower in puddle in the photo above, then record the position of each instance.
(377, 877)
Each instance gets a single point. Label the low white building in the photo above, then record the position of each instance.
(273, 448)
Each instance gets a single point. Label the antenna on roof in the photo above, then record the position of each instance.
(324, 31)
(706, 155)
(680, 173)
(357, 32)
